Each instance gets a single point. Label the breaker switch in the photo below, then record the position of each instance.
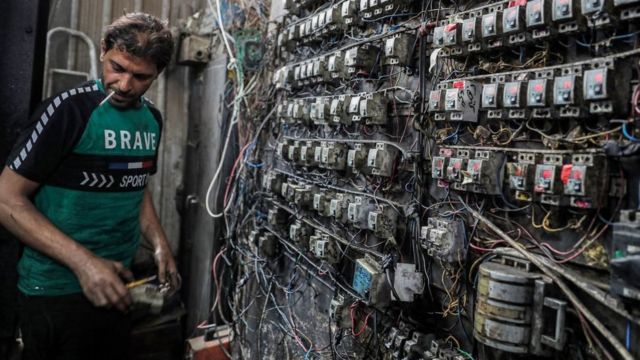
(546, 179)
(564, 89)
(537, 92)
(438, 167)
(512, 19)
(490, 95)
(513, 94)
(470, 29)
(537, 13)
(454, 169)
(436, 100)
(491, 25)
(596, 83)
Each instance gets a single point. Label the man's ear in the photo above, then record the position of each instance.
(103, 49)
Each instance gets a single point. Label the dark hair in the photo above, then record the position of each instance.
(141, 35)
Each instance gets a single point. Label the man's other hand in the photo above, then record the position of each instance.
(102, 284)
(167, 271)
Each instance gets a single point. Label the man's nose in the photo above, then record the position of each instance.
(124, 83)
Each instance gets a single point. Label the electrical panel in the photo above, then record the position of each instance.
(442, 180)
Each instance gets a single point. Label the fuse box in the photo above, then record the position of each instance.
(513, 20)
(452, 34)
(514, 94)
(323, 247)
(398, 49)
(356, 158)
(491, 93)
(470, 30)
(485, 172)
(334, 155)
(444, 239)
(299, 233)
(461, 101)
(338, 110)
(382, 221)
(438, 167)
(491, 25)
(373, 109)
(538, 13)
(455, 168)
(357, 211)
(322, 203)
(338, 204)
(276, 216)
(381, 159)
(436, 100)
(521, 176)
(307, 153)
(584, 182)
(438, 36)
(336, 66)
(361, 58)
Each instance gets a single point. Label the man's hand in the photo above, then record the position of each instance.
(167, 271)
(102, 284)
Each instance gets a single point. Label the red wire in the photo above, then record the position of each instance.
(233, 171)
(366, 319)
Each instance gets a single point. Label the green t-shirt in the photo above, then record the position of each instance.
(93, 163)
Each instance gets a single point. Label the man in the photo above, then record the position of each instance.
(74, 191)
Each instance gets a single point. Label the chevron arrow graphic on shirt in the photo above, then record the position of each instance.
(86, 178)
(111, 181)
(95, 180)
(104, 181)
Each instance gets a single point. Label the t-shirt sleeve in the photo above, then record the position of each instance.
(52, 132)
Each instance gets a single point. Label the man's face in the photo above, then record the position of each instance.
(127, 75)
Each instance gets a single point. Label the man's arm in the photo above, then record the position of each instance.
(152, 231)
(99, 278)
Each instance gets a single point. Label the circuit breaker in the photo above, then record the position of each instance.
(438, 167)
(514, 94)
(566, 90)
(452, 34)
(538, 92)
(338, 110)
(399, 48)
(438, 36)
(382, 221)
(361, 58)
(323, 247)
(454, 169)
(583, 180)
(381, 159)
(436, 100)
(334, 155)
(538, 13)
(491, 25)
(470, 30)
(513, 19)
(461, 101)
(373, 109)
(491, 95)
(484, 172)
(299, 233)
(357, 157)
(444, 239)
(322, 203)
(547, 179)
(357, 212)
(521, 176)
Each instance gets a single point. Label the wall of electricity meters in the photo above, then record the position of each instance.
(466, 173)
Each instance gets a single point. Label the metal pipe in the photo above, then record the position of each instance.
(93, 71)
(107, 8)
(73, 25)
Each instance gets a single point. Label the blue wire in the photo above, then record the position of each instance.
(306, 356)
(628, 337)
(628, 135)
